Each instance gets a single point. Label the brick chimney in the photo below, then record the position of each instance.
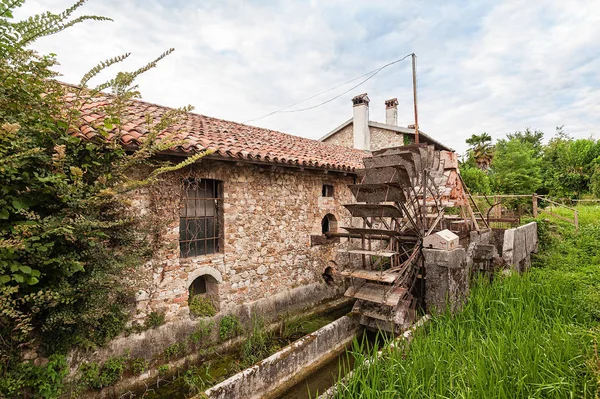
(391, 112)
(360, 121)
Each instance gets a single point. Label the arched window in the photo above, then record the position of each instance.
(205, 284)
(328, 275)
(328, 224)
(203, 297)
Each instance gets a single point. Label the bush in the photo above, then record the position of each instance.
(202, 333)
(97, 377)
(201, 306)
(229, 327)
(139, 365)
(174, 351)
(34, 381)
(154, 319)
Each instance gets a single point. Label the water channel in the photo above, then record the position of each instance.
(197, 378)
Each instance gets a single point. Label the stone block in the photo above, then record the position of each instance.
(447, 276)
(444, 239)
(519, 248)
(455, 258)
(508, 245)
(450, 159)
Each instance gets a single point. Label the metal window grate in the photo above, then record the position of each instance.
(199, 221)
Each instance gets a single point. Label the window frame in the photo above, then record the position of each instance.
(196, 209)
(327, 189)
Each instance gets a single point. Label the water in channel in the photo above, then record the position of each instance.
(197, 378)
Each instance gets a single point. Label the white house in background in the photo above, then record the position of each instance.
(361, 133)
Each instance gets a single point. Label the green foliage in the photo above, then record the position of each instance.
(175, 351)
(98, 376)
(196, 379)
(68, 233)
(476, 180)
(202, 333)
(229, 327)
(163, 369)
(201, 306)
(154, 319)
(34, 381)
(481, 150)
(569, 165)
(257, 345)
(515, 169)
(139, 365)
(595, 180)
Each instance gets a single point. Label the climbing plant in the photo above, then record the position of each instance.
(68, 232)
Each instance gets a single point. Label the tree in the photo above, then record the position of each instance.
(569, 164)
(532, 137)
(67, 231)
(476, 180)
(515, 169)
(481, 150)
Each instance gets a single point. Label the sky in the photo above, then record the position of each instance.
(483, 66)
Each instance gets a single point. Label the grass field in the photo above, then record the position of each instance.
(528, 336)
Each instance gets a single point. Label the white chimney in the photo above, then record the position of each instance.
(360, 121)
(391, 112)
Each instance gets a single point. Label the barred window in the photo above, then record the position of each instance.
(200, 225)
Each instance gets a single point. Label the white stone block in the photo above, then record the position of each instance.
(444, 239)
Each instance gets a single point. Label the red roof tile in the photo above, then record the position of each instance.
(226, 138)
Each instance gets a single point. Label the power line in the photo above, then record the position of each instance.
(369, 75)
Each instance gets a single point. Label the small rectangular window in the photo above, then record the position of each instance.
(327, 190)
(199, 221)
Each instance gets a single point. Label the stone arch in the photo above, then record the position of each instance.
(211, 271)
(204, 282)
(328, 223)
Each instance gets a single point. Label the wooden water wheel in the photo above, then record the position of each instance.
(404, 194)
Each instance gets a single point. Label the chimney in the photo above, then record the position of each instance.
(391, 112)
(360, 121)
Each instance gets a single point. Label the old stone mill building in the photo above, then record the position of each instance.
(274, 223)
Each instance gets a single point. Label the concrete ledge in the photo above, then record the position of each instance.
(151, 343)
(273, 374)
(518, 245)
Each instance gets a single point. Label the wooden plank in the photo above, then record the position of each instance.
(373, 210)
(377, 293)
(383, 254)
(371, 232)
(373, 275)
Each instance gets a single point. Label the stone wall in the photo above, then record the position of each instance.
(518, 245)
(269, 214)
(344, 137)
(380, 138)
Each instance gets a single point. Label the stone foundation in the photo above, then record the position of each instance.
(447, 277)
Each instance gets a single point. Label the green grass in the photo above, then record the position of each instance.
(529, 336)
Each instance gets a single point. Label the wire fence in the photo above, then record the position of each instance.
(507, 210)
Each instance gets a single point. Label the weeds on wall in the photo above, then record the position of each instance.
(258, 343)
(201, 306)
(229, 327)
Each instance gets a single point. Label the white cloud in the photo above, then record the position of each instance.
(495, 66)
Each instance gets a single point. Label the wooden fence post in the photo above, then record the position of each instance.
(576, 219)
(535, 210)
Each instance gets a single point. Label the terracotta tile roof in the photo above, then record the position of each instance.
(226, 138)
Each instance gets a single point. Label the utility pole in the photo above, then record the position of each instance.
(414, 71)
